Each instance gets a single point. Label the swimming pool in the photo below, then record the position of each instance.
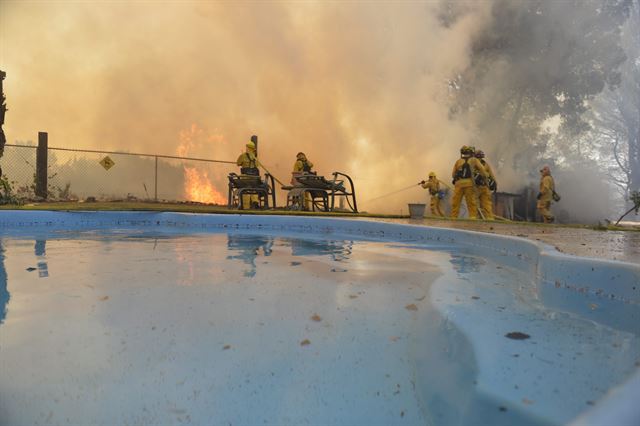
(148, 318)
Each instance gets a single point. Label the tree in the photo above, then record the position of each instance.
(3, 110)
(539, 60)
(616, 115)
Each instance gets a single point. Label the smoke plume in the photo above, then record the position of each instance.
(363, 88)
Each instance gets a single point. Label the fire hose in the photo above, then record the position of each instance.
(267, 170)
(394, 192)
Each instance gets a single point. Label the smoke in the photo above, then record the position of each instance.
(586, 195)
(535, 68)
(360, 87)
(363, 88)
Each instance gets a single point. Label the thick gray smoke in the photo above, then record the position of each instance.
(377, 90)
(534, 69)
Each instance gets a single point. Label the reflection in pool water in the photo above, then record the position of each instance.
(409, 335)
(247, 248)
(466, 264)
(40, 250)
(337, 250)
(4, 292)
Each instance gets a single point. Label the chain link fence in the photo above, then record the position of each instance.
(81, 175)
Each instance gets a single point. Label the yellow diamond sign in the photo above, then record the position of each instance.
(107, 163)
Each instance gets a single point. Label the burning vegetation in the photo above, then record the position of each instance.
(198, 186)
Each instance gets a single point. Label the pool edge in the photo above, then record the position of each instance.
(602, 278)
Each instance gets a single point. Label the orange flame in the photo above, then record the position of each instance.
(197, 186)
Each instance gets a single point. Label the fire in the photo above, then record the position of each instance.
(197, 185)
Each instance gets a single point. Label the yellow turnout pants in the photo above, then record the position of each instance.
(248, 199)
(544, 207)
(435, 206)
(486, 203)
(469, 194)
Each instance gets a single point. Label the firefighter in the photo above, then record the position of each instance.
(463, 172)
(248, 162)
(485, 186)
(546, 194)
(437, 192)
(301, 166)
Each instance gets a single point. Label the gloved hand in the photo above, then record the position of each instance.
(539, 196)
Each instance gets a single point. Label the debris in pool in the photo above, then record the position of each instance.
(338, 270)
(316, 318)
(411, 307)
(394, 338)
(591, 403)
(103, 298)
(296, 263)
(352, 296)
(593, 306)
(225, 347)
(526, 401)
(31, 269)
(517, 335)
(420, 299)
(402, 413)
(498, 267)
(305, 342)
(475, 297)
(502, 408)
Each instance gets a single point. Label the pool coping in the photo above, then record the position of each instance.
(598, 277)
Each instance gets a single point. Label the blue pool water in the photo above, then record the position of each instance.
(140, 326)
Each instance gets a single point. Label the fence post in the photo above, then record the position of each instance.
(41, 165)
(254, 139)
(155, 195)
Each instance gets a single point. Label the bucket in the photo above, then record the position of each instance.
(416, 211)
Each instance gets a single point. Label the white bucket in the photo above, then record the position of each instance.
(416, 211)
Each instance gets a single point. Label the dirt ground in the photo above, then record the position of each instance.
(605, 244)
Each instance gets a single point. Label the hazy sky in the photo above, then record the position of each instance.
(361, 87)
